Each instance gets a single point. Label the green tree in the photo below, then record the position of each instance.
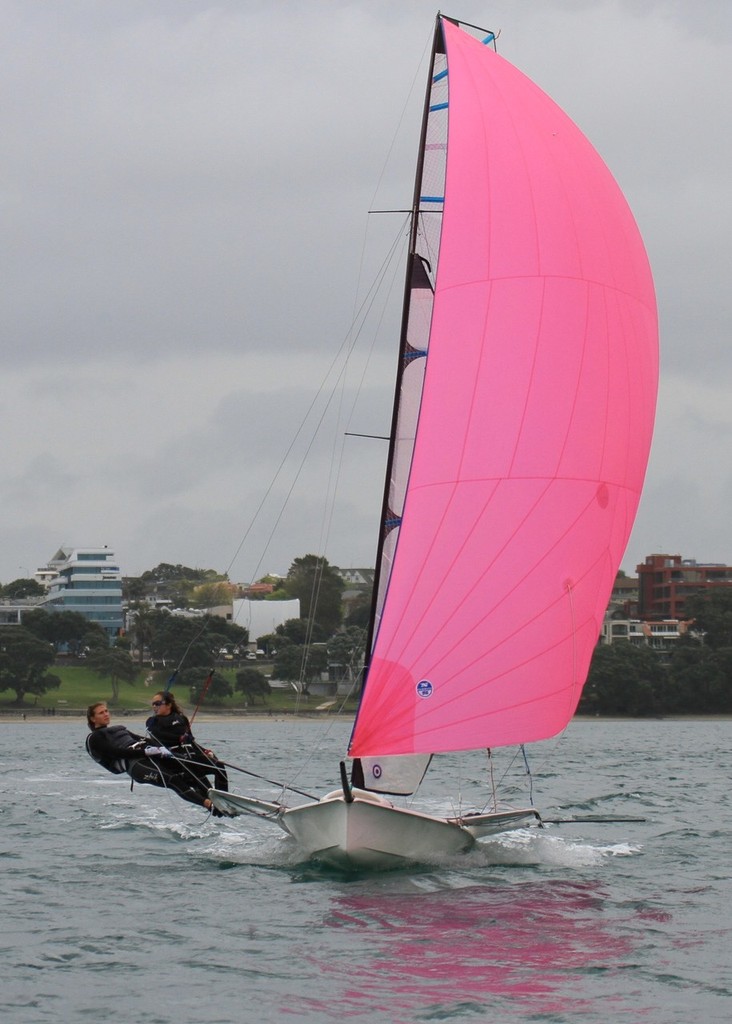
(711, 611)
(287, 662)
(95, 639)
(177, 582)
(359, 611)
(300, 664)
(203, 690)
(348, 649)
(212, 595)
(142, 620)
(114, 664)
(268, 643)
(22, 588)
(133, 589)
(24, 660)
(253, 684)
(300, 631)
(701, 663)
(318, 587)
(625, 680)
(177, 641)
(701, 678)
(64, 629)
(723, 658)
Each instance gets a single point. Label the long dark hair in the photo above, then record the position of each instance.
(169, 698)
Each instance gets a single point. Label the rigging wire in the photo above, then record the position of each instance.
(366, 304)
(347, 346)
(531, 777)
(324, 732)
(188, 765)
(280, 785)
(338, 451)
(344, 353)
(364, 309)
(201, 695)
(399, 126)
(495, 786)
(492, 778)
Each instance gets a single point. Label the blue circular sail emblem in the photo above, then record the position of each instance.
(376, 771)
(424, 688)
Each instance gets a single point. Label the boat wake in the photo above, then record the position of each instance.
(523, 848)
(256, 849)
(538, 847)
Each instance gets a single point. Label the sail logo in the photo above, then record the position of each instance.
(377, 771)
(424, 688)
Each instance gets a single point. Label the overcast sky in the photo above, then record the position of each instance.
(184, 192)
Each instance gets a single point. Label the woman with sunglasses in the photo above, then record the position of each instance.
(119, 751)
(169, 726)
(167, 723)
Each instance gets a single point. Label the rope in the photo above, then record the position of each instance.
(263, 778)
(186, 764)
(493, 781)
(531, 777)
(201, 695)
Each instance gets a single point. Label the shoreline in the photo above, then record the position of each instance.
(30, 717)
(33, 718)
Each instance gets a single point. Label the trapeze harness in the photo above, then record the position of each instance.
(174, 731)
(130, 759)
(115, 765)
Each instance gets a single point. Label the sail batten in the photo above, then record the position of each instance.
(521, 438)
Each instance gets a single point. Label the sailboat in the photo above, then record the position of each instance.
(525, 399)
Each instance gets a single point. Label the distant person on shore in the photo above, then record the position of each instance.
(169, 726)
(118, 750)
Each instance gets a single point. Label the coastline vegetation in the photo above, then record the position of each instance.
(60, 661)
(81, 686)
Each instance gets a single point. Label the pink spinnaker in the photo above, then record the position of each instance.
(534, 430)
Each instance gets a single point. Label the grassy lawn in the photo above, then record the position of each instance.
(81, 687)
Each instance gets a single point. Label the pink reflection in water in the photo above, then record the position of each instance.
(470, 948)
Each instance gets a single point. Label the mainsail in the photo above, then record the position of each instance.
(525, 412)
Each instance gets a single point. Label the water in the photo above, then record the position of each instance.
(137, 907)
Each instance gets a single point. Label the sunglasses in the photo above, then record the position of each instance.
(158, 703)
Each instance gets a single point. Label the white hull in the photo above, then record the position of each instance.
(370, 832)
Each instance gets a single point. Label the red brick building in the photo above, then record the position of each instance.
(666, 581)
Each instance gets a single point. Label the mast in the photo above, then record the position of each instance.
(416, 278)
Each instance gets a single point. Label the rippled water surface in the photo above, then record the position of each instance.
(139, 908)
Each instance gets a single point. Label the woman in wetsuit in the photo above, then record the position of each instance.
(119, 750)
(168, 725)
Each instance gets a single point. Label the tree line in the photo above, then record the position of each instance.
(299, 651)
(695, 678)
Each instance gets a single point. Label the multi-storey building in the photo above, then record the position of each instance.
(624, 597)
(11, 611)
(660, 636)
(666, 581)
(87, 581)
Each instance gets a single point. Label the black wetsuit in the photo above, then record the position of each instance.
(171, 730)
(174, 731)
(119, 750)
